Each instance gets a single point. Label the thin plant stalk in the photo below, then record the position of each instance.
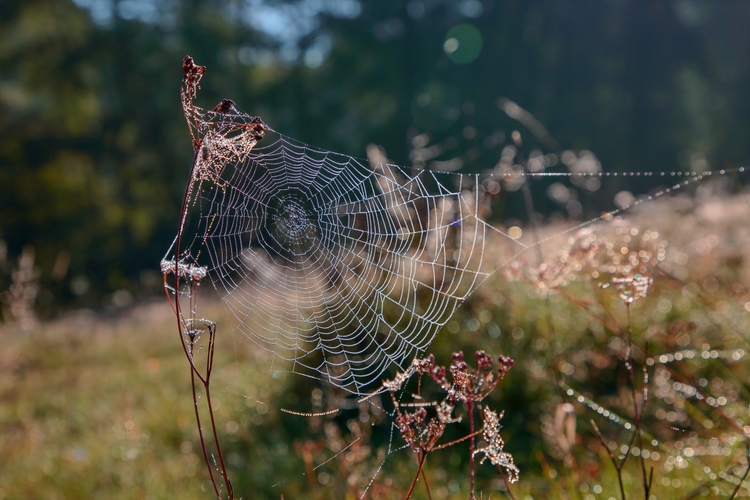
(200, 434)
(744, 476)
(618, 466)
(182, 326)
(456, 441)
(507, 483)
(209, 403)
(470, 406)
(422, 458)
(638, 413)
(184, 330)
(426, 484)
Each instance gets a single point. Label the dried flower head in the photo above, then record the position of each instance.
(493, 449)
(190, 272)
(466, 385)
(222, 136)
(632, 288)
(616, 253)
(472, 384)
(418, 366)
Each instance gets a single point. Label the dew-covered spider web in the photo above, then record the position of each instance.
(340, 267)
(354, 265)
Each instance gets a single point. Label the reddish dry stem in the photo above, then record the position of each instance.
(456, 441)
(507, 483)
(471, 448)
(422, 458)
(192, 76)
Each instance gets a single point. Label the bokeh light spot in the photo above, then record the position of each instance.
(463, 43)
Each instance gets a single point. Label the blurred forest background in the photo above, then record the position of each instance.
(94, 152)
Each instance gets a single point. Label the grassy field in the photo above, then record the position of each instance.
(95, 406)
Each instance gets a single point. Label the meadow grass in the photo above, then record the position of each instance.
(96, 407)
(100, 406)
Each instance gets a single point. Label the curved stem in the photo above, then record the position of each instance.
(200, 434)
(507, 483)
(211, 414)
(187, 337)
(744, 476)
(177, 247)
(422, 457)
(471, 449)
(426, 485)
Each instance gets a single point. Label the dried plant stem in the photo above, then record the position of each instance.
(470, 407)
(637, 416)
(456, 441)
(200, 434)
(507, 483)
(618, 466)
(187, 339)
(648, 479)
(638, 413)
(224, 474)
(206, 382)
(184, 328)
(426, 485)
(422, 458)
(744, 476)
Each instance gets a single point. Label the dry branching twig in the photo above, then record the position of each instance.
(461, 384)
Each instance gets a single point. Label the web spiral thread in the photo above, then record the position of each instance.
(340, 267)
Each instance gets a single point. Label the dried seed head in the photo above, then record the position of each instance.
(506, 363)
(398, 381)
(192, 74)
(445, 412)
(425, 365)
(225, 107)
(438, 375)
(459, 366)
(190, 272)
(484, 360)
(632, 287)
(493, 450)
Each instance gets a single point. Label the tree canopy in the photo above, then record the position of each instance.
(94, 152)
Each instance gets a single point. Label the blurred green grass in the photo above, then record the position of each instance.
(96, 407)
(100, 406)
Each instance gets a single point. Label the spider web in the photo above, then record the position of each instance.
(338, 266)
